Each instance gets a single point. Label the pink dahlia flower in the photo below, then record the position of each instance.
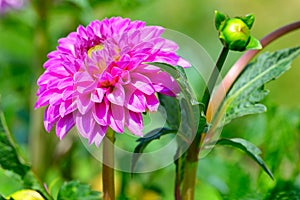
(6, 5)
(98, 78)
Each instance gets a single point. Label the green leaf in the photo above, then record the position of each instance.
(144, 141)
(9, 157)
(248, 90)
(172, 108)
(74, 190)
(249, 149)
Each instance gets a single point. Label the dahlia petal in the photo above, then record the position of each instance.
(142, 83)
(68, 92)
(85, 124)
(135, 100)
(164, 83)
(45, 78)
(56, 99)
(149, 32)
(117, 118)
(152, 103)
(125, 77)
(84, 82)
(65, 83)
(97, 135)
(183, 63)
(67, 107)
(120, 24)
(98, 95)
(82, 32)
(165, 45)
(45, 97)
(134, 122)
(117, 96)
(50, 117)
(64, 125)
(101, 113)
(84, 103)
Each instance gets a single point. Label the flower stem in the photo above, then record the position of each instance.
(108, 166)
(191, 163)
(239, 66)
(214, 76)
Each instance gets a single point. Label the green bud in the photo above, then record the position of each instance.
(234, 33)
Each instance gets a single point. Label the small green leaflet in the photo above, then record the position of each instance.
(9, 157)
(248, 148)
(248, 90)
(74, 190)
(144, 141)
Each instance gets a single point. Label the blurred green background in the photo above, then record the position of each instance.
(27, 35)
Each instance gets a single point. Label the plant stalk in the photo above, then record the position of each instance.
(214, 76)
(108, 178)
(191, 162)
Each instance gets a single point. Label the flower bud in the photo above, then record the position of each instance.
(234, 33)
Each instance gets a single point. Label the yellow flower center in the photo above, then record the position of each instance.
(98, 47)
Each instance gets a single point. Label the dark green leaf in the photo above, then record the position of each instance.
(172, 108)
(248, 90)
(248, 148)
(9, 157)
(144, 141)
(74, 190)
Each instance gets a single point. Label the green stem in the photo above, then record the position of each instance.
(107, 167)
(191, 163)
(190, 173)
(214, 76)
(178, 172)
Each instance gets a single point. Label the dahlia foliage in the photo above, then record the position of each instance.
(98, 78)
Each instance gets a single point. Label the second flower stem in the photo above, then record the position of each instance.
(191, 162)
(108, 166)
(214, 76)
